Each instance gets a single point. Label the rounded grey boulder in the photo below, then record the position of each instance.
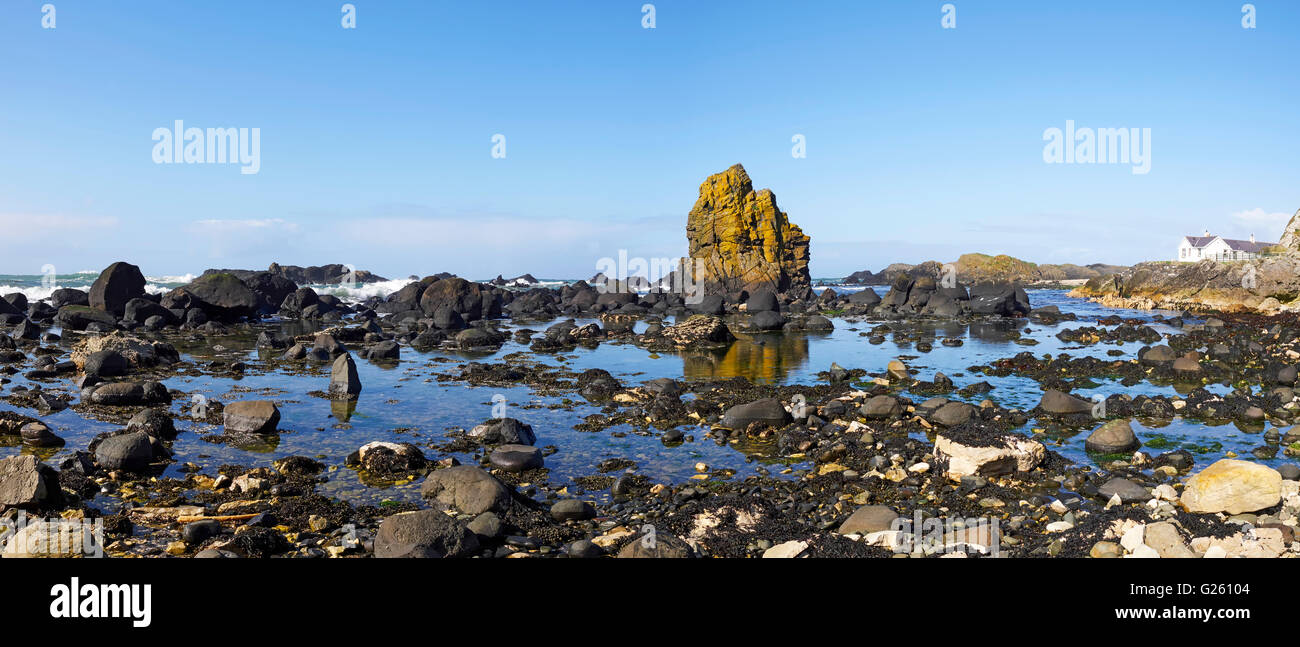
(767, 410)
(1113, 437)
(516, 458)
(424, 534)
(131, 452)
(251, 417)
(466, 488)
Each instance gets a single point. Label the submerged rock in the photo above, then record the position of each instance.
(36, 434)
(1113, 437)
(698, 330)
(251, 417)
(767, 410)
(1058, 403)
(516, 458)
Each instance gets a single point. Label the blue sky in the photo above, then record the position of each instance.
(922, 142)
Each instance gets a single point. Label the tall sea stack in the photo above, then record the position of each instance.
(742, 241)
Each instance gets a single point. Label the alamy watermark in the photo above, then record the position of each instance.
(1099, 146)
(948, 278)
(671, 274)
(182, 145)
(54, 537)
(949, 19)
(76, 600)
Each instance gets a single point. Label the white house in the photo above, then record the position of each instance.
(1218, 248)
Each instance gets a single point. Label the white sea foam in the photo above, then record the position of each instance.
(182, 279)
(361, 291)
(38, 292)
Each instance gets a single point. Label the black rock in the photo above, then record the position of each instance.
(131, 452)
(116, 285)
(106, 363)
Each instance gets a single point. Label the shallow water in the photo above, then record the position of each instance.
(404, 402)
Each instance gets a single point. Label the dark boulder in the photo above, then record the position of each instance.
(139, 310)
(74, 317)
(867, 297)
(251, 417)
(297, 301)
(117, 284)
(69, 297)
(767, 410)
(132, 452)
(504, 431)
(155, 422)
(762, 301)
(471, 301)
(106, 363)
(272, 288)
(223, 297)
(345, 383)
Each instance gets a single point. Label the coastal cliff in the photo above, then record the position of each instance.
(1269, 284)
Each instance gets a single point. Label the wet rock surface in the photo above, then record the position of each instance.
(206, 434)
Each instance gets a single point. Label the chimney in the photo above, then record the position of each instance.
(1207, 233)
(1252, 238)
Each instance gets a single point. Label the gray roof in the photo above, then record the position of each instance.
(1233, 244)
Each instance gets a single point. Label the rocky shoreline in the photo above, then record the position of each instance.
(1270, 284)
(881, 444)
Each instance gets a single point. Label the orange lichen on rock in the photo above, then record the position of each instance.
(741, 240)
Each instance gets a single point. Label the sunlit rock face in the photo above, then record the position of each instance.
(740, 240)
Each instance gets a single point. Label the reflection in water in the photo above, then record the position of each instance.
(342, 410)
(760, 358)
(994, 331)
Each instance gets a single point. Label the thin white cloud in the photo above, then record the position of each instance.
(30, 227)
(241, 239)
(490, 244)
(221, 225)
(1265, 223)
